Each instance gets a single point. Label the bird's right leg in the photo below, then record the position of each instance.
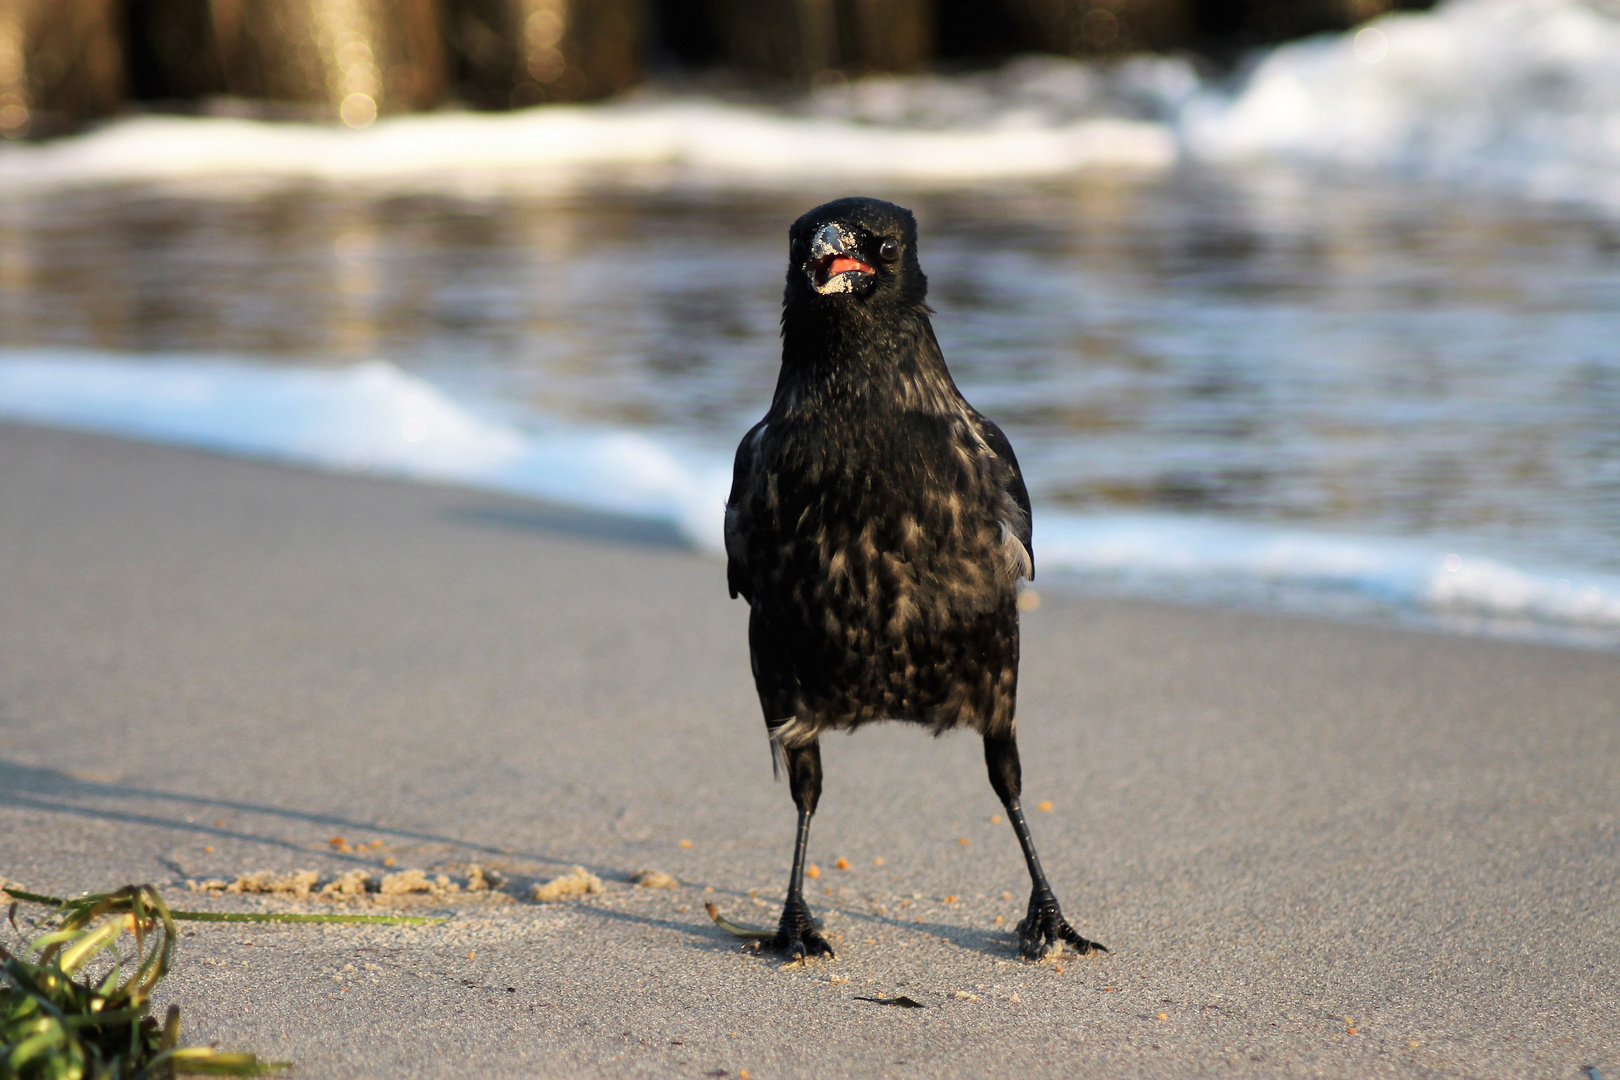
(798, 936)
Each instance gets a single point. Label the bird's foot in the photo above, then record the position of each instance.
(1044, 931)
(799, 936)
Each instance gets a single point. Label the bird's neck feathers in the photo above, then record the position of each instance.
(846, 356)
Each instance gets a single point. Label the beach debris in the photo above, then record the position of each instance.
(297, 883)
(56, 1025)
(812, 871)
(404, 882)
(353, 883)
(842, 863)
(480, 879)
(901, 1002)
(577, 882)
(747, 933)
(655, 879)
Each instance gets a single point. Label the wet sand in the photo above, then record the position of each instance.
(1285, 828)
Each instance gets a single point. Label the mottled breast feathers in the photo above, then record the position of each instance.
(877, 523)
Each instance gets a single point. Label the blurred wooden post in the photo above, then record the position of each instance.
(171, 51)
(358, 57)
(890, 35)
(1252, 22)
(513, 53)
(799, 39)
(61, 62)
(1098, 27)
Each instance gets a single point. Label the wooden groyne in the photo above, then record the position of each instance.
(63, 62)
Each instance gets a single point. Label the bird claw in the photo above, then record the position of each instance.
(1044, 931)
(799, 936)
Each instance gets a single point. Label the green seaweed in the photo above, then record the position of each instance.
(59, 1023)
(253, 916)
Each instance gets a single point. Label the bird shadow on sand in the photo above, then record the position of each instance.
(48, 791)
(52, 791)
(996, 944)
(848, 937)
(704, 936)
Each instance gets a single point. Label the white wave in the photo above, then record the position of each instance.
(375, 419)
(1518, 95)
(1210, 558)
(370, 418)
(547, 147)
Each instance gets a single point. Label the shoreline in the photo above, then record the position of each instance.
(375, 420)
(1280, 824)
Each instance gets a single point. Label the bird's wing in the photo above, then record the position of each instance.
(1017, 521)
(1013, 481)
(743, 471)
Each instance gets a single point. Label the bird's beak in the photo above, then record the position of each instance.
(833, 266)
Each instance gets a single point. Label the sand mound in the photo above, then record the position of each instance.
(655, 879)
(577, 882)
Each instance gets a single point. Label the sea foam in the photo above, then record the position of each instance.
(369, 419)
(552, 147)
(1519, 96)
(375, 419)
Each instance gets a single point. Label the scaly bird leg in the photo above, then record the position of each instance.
(1043, 931)
(798, 935)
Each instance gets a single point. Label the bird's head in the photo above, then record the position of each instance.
(855, 250)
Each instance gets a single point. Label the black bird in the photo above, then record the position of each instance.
(877, 527)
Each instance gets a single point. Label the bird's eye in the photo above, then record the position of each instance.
(796, 249)
(889, 250)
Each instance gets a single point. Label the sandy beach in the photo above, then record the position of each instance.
(1315, 848)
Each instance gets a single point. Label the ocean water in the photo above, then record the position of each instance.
(1339, 334)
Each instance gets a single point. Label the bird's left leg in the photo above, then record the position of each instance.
(798, 936)
(1044, 930)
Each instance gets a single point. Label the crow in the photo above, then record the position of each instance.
(877, 527)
